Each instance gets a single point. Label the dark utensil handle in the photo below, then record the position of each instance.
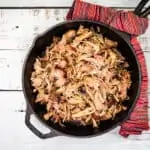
(145, 13)
(35, 130)
(140, 6)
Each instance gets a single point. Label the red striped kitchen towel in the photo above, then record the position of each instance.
(128, 22)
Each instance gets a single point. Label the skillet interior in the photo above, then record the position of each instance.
(38, 50)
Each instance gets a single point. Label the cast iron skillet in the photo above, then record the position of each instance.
(38, 49)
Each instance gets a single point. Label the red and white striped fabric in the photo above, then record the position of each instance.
(128, 22)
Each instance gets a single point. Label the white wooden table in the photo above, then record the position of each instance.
(20, 22)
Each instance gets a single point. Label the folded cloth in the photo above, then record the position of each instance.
(128, 22)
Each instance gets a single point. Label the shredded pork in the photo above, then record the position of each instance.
(82, 78)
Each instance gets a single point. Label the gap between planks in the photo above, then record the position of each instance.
(57, 7)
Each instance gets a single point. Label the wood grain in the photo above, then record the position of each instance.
(66, 3)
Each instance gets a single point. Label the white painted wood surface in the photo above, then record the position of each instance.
(65, 3)
(18, 28)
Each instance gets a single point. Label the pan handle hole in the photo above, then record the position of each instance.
(40, 126)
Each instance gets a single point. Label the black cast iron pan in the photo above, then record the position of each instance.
(38, 49)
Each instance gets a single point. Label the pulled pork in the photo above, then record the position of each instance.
(82, 78)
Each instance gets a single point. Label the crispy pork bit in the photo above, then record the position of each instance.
(62, 64)
(60, 82)
(58, 73)
(68, 36)
(82, 78)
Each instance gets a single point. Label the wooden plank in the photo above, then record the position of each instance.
(11, 62)
(20, 27)
(17, 33)
(66, 3)
(144, 39)
(17, 136)
(10, 66)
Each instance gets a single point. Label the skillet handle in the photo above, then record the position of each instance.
(38, 133)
